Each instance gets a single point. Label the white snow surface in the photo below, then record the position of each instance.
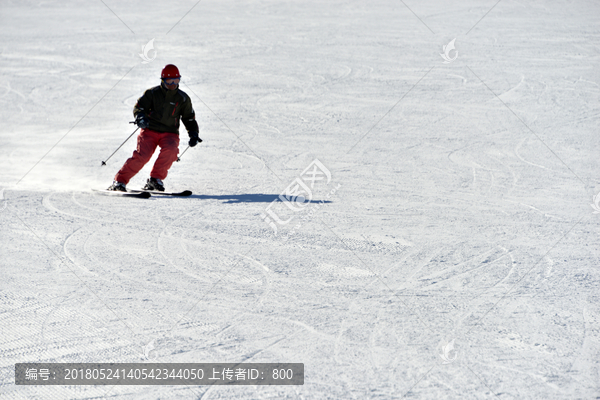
(460, 209)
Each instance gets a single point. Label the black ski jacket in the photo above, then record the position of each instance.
(164, 108)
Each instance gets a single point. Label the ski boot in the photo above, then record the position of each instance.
(117, 187)
(154, 184)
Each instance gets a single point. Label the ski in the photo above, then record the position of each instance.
(185, 193)
(139, 195)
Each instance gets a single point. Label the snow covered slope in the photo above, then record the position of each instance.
(446, 246)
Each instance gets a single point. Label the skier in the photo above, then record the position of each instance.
(157, 113)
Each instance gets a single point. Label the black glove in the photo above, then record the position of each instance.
(194, 139)
(142, 121)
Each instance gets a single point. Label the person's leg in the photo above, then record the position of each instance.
(146, 144)
(169, 149)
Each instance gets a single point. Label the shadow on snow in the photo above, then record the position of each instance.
(250, 198)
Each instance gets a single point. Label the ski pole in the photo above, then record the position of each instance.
(179, 158)
(136, 129)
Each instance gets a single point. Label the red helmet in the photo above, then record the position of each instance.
(170, 71)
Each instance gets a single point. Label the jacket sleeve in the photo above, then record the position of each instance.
(188, 117)
(144, 104)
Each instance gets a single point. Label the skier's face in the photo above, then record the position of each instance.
(171, 84)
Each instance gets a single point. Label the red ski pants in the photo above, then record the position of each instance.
(147, 142)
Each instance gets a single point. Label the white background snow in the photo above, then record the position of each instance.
(459, 206)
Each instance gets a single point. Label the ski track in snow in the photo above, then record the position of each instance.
(454, 218)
